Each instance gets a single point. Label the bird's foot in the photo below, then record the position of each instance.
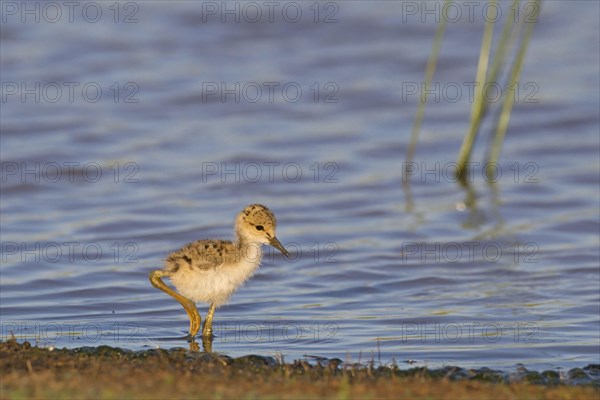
(189, 337)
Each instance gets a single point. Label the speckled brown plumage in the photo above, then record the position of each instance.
(202, 255)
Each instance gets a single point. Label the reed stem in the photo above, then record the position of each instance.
(429, 72)
(478, 102)
(508, 101)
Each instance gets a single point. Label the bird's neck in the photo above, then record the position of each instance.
(251, 251)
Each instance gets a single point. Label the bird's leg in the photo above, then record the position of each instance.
(207, 344)
(207, 330)
(188, 305)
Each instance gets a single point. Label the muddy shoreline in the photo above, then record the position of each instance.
(107, 372)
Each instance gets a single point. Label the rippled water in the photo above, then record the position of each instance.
(97, 190)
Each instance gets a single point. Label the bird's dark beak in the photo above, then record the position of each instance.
(277, 244)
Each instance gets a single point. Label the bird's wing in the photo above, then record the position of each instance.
(199, 255)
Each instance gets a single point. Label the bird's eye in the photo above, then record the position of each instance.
(260, 228)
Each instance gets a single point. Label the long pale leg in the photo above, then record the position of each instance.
(188, 305)
(207, 330)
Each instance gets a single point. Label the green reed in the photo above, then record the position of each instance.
(508, 101)
(429, 72)
(488, 70)
(479, 101)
